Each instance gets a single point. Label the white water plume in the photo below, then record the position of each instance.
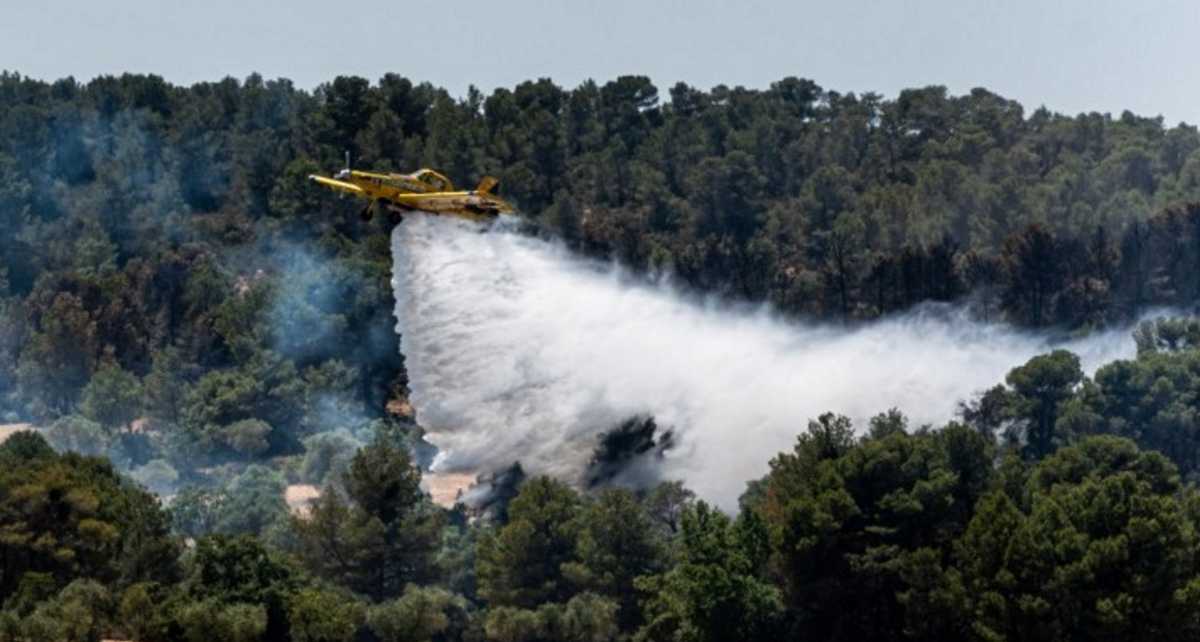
(518, 350)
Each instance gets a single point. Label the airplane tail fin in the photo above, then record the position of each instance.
(487, 185)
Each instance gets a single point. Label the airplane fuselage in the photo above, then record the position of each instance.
(425, 190)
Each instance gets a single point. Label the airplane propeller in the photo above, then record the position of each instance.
(345, 173)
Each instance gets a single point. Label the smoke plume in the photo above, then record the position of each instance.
(518, 350)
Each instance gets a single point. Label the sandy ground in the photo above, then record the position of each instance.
(400, 408)
(8, 429)
(299, 496)
(445, 487)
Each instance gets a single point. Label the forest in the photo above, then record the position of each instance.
(187, 327)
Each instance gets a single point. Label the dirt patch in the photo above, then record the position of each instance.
(140, 425)
(299, 498)
(445, 488)
(400, 408)
(8, 430)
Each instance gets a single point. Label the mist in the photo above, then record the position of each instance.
(518, 350)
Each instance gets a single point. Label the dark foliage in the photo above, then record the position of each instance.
(175, 297)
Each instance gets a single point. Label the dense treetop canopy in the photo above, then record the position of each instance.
(178, 303)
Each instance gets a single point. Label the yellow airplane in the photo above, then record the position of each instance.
(424, 190)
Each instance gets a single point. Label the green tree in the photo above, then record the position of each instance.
(617, 543)
(80, 612)
(665, 505)
(382, 534)
(77, 434)
(157, 475)
(255, 502)
(1041, 386)
(847, 523)
(60, 355)
(520, 564)
(71, 517)
(196, 511)
(1167, 334)
(209, 620)
(1033, 273)
(716, 590)
(421, 614)
(140, 612)
(24, 446)
(584, 618)
(164, 388)
(323, 616)
(327, 456)
(247, 437)
(1103, 551)
(226, 575)
(292, 195)
(112, 398)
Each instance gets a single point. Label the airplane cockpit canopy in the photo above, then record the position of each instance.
(434, 180)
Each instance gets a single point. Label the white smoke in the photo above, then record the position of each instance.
(518, 350)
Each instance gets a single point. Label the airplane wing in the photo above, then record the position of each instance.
(410, 200)
(343, 186)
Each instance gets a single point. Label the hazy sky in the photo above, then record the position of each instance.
(1070, 56)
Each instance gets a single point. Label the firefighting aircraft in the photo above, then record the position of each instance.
(424, 190)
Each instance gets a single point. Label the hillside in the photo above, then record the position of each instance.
(182, 313)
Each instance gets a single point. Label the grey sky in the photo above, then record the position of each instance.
(1071, 56)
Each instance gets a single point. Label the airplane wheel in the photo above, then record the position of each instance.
(365, 214)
